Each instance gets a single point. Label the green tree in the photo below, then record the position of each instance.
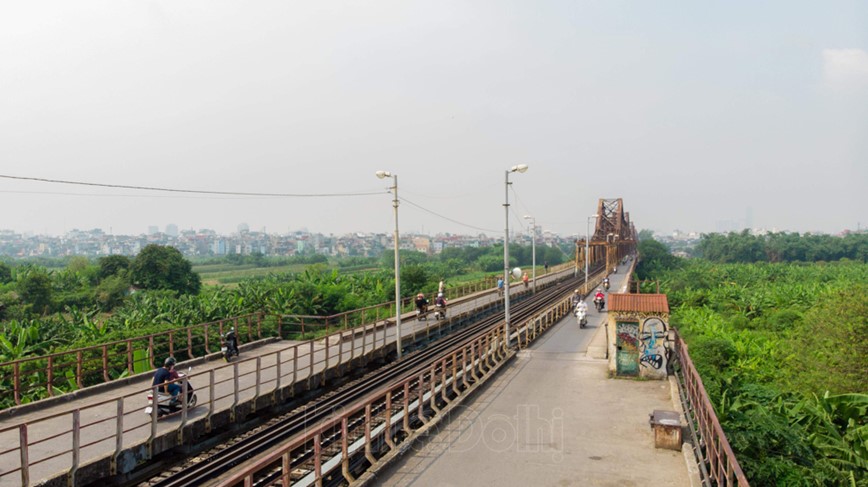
(5, 273)
(163, 267)
(654, 258)
(35, 290)
(646, 234)
(414, 278)
(113, 265)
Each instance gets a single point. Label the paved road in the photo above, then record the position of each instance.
(551, 417)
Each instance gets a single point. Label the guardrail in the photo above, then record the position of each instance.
(35, 378)
(221, 388)
(713, 452)
(372, 425)
(58, 373)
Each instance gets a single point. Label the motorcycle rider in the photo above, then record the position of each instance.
(576, 298)
(231, 341)
(606, 282)
(581, 311)
(440, 305)
(601, 298)
(165, 374)
(421, 303)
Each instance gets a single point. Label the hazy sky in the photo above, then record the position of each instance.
(691, 111)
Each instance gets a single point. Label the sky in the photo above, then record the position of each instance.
(699, 115)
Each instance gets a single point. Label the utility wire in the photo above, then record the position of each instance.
(189, 191)
(405, 200)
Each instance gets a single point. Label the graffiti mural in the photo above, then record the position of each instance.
(653, 344)
(627, 341)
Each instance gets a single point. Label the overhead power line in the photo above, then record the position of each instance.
(405, 200)
(189, 191)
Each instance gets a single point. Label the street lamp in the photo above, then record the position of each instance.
(518, 168)
(588, 247)
(533, 249)
(381, 175)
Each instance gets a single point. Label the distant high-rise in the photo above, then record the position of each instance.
(243, 228)
(153, 230)
(172, 230)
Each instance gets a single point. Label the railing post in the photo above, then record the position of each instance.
(279, 372)
(76, 441)
(25, 460)
(210, 400)
(190, 343)
(235, 387)
(130, 367)
(205, 331)
(50, 376)
(119, 435)
(258, 377)
(105, 363)
(154, 413)
(345, 452)
(78, 359)
(151, 350)
(16, 378)
(184, 390)
(171, 344)
(294, 367)
(368, 453)
(407, 407)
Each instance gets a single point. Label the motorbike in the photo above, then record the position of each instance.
(606, 285)
(439, 312)
(229, 344)
(422, 312)
(581, 317)
(599, 303)
(166, 404)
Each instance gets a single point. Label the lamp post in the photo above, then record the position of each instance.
(518, 168)
(394, 188)
(588, 247)
(533, 249)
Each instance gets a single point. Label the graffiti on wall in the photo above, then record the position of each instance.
(653, 340)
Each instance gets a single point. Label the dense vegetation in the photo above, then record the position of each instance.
(783, 352)
(85, 303)
(782, 247)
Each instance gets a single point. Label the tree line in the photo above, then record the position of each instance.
(781, 247)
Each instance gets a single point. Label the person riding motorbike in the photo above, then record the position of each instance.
(421, 304)
(581, 310)
(600, 300)
(229, 344)
(165, 374)
(606, 283)
(440, 305)
(576, 298)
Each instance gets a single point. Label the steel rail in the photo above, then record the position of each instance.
(413, 365)
(291, 461)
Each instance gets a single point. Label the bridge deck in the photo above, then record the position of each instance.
(50, 422)
(552, 417)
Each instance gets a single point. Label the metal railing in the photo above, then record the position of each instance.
(369, 426)
(713, 452)
(226, 387)
(35, 378)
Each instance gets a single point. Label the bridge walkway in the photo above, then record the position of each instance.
(551, 417)
(113, 434)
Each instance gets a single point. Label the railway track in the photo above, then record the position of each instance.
(210, 465)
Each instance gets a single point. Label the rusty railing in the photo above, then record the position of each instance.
(715, 454)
